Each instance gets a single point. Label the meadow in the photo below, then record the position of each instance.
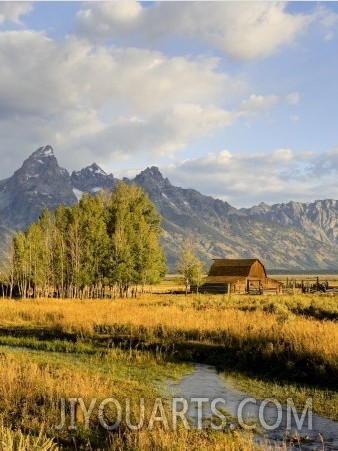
(53, 349)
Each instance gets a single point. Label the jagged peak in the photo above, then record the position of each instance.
(91, 170)
(263, 205)
(151, 173)
(42, 152)
(36, 163)
(96, 169)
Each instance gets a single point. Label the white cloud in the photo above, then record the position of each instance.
(326, 164)
(281, 156)
(293, 98)
(162, 133)
(106, 101)
(256, 103)
(102, 19)
(242, 30)
(94, 99)
(249, 30)
(328, 21)
(246, 179)
(12, 11)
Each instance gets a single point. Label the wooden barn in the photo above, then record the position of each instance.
(239, 276)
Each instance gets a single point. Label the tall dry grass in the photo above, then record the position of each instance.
(261, 333)
(32, 386)
(168, 318)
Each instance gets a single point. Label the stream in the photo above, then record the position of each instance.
(201, 388)
(275, 422)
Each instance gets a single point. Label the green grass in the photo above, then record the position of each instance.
(56, 345)
(119, 348)
(325, 402)
(34, 381)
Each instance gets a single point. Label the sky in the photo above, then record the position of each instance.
(237, 100)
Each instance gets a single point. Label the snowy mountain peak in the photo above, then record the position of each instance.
(38, 183)
(293, 235)
(92, 178)
(43, 152)
(41, 163)
(96, 169)
(90, 171)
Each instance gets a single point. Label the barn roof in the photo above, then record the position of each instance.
(223, 279)
(233, 267)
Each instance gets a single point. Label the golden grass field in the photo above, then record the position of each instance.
(202, 318)
(128, 347)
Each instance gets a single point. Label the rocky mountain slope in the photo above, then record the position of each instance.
(222, 231)
(92, 179)
(38, 183)
(292, 236)
(318, 218)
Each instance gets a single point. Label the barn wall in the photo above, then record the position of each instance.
(257, 270)
(238, 287)
(214, 288)
(271, 284)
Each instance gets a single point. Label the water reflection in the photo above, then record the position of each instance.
(299, 430)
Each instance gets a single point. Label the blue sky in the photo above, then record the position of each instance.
(238, 100)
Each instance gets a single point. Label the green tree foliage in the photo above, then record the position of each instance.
(134, 228)
(7, 276)
(21, 262)
(189, 266)
(108, 240)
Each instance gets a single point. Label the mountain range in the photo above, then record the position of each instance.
(292, 236)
